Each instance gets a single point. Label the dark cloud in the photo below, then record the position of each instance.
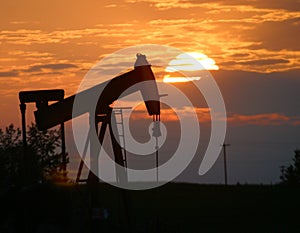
(251, 93)
(60, 66)
(289, 5)
(276, 35)
(227, 63)
(264, 62)
(115, 63)
(12, 73)
(39, 70)
(261, 62)
(46, 73)
(240, 55)
(254, 93)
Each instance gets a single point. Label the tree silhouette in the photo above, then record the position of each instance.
(291, 174)
(41, 160)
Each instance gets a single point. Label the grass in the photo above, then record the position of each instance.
(175, 207)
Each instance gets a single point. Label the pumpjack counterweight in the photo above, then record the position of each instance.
(41, 98)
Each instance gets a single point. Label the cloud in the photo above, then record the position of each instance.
(234, 119)
(111, 6)
(20, 22)
(12, 73)
(29, 37)
(25, 37)
(219, 29)
(38, 70)
(247, 93)
(23, 53)
(272, 119)
(166, 4)
(171, 114)
(224, 6)
(289, 5)
(277, 35)
(261, 62)
(55, 67)
(218, 38)
(240, 55)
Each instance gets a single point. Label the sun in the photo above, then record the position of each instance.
(189, 62)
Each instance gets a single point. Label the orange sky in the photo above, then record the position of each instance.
(51, 44)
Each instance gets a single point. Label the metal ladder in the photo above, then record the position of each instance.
(120, 139)
(121, 131)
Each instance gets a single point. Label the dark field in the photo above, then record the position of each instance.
(172, 208)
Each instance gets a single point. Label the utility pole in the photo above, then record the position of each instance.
(225, 163)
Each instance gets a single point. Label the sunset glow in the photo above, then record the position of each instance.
(168, 79)
(190, 62)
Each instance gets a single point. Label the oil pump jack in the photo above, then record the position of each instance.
(48, 116)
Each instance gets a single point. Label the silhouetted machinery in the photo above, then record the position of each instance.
(42, 98)
(48, 116)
